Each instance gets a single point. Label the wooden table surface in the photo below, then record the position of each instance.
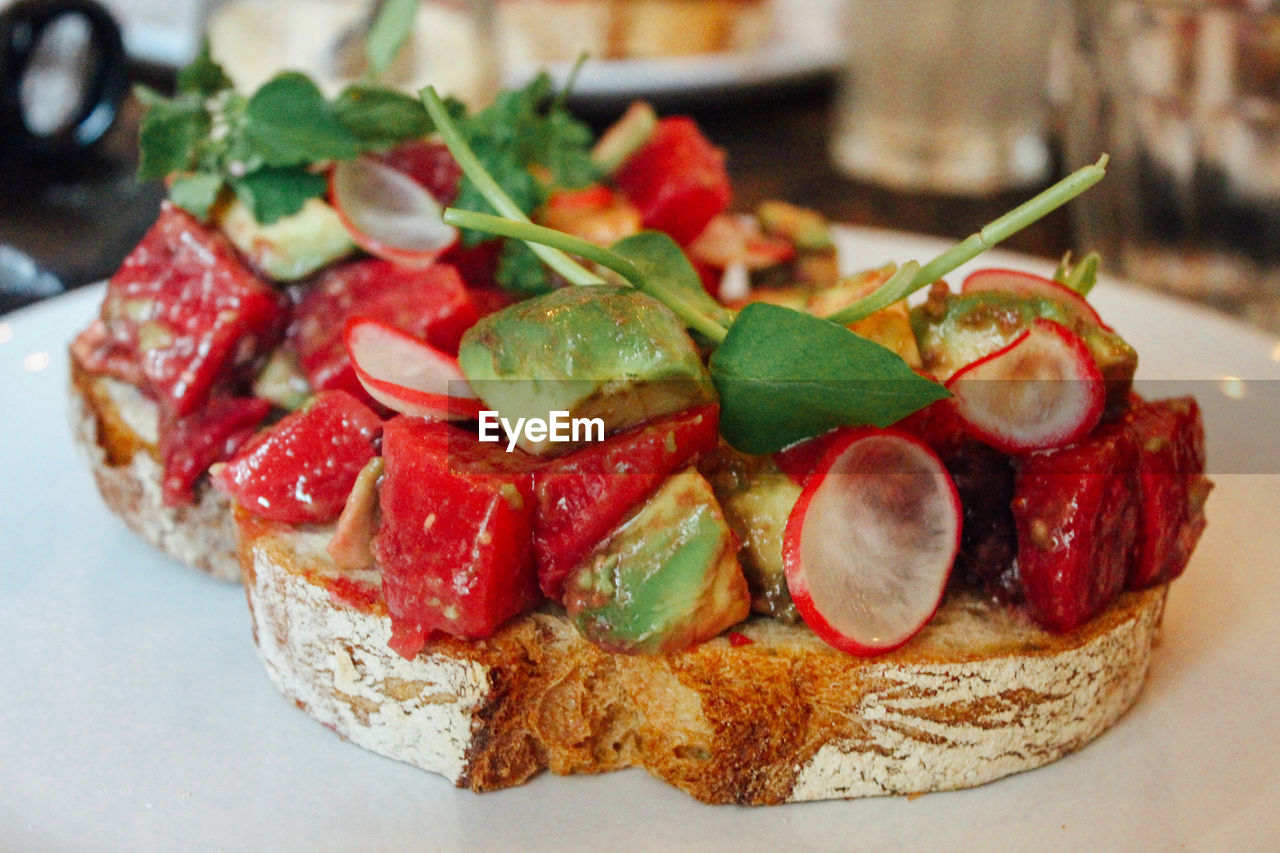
(80, 222)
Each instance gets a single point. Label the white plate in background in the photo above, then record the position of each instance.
(135, 715)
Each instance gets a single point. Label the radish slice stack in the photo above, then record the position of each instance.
(871, 541)
(406, 375)
(1027, 284)
(1042, 390)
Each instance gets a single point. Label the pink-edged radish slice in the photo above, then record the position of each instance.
(1042, 390)
(389, 214)
(1030, 285)
(406, 375)
(870, 543)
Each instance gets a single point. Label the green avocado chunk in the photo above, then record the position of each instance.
(667, 578)
(290, 248)
(607, 352)
(953, 330)
(757, 499)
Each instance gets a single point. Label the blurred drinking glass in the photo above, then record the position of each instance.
(1185, 96)
(945, 95)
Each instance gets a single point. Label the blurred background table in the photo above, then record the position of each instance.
(80, 220)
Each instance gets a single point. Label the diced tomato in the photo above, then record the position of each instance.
(301, 470)
(1172, 486)
(677, 179)
(594, 197)
(476, 264)
(798, 461)
(430, 164)
(187, 309)
(431, 304)
(584, 495)
(454, 544)
(1076, 513)
(213, 433)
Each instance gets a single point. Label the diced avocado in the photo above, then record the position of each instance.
(953, 330)
(282, 381)
(290, 248)
(608, 352)
(1117, 361)
(667, 578)
(890, 327)
(807, 229)
(625, 137)
(757, 499)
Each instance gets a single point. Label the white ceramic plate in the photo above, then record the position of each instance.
(806, 43)
(134, 713)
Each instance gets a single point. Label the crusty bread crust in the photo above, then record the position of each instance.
(979, 694)
(109, 421)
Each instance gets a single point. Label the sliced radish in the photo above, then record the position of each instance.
(1042, 390)
(1034, 286)
(406, 375)
(388, 213)
(871, 541)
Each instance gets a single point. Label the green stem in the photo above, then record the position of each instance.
(538, 235)
(494, 194)
(991, 234)
(900, 285)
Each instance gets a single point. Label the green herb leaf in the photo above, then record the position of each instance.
(272, 193)
(522, 129)
(521, 271)
(196, 193)
(666, 274)
(381, 117)
(203, 76)
(784, 376)
(1080, 277)
(390, 30)
(289, 122)
(169, 132)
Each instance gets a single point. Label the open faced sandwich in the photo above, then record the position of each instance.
(616, 477)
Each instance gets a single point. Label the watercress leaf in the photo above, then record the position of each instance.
(272, 193)
(388, 33)
(379, 117)
(169, 133)
(666, 273)
(289, 122)
(784, 376)
(203, 76)
(196, 193)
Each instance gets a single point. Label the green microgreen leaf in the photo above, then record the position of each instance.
(522, 132)
(388, 33)
(992, 233)
(379, 117)
(664, 272)
(196, 193)
(521, 271)
(272, 193)
(480, 178)
(1080, 277)
(289, 122)
(203, 76)
(784, 376)
(656, 271)
(169, 132)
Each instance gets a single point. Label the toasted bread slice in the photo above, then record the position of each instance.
(115, 427)
(979, 694)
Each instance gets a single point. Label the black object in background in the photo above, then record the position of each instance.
(58, 103)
